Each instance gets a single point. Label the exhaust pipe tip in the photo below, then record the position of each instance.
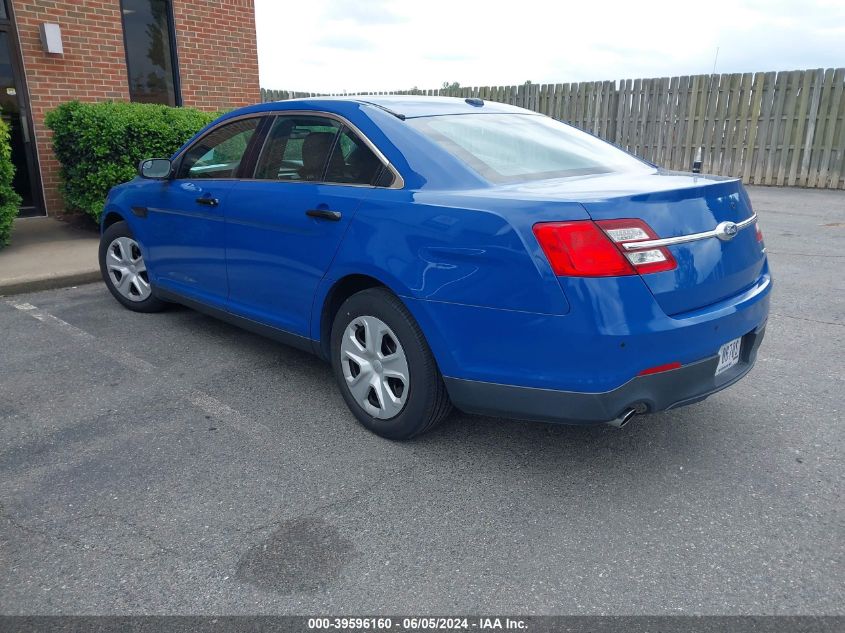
(623, 419)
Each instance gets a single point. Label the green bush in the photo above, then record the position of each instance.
(10, 201)
(99, 145)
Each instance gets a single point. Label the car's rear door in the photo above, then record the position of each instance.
(183, 230)
(284, 226)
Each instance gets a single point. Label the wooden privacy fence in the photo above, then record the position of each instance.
(769, 128)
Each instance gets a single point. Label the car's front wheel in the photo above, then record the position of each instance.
(384, 367)
(124, 270)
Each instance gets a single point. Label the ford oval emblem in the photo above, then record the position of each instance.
(726, 231)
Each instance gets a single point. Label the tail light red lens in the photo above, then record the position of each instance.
(759, 232)
(583, 248)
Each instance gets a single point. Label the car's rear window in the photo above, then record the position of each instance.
(518, 147)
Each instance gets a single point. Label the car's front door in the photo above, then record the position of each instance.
(284, 226)
(184, 229)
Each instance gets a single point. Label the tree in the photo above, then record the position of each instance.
(451, 88)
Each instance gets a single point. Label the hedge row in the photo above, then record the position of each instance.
(99, 145)
(10, 201)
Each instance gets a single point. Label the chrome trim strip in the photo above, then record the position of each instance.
(683, 239)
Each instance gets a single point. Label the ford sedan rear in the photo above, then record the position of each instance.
(442, 252)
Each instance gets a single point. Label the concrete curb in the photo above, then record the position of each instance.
(45, 253)
(19, 285)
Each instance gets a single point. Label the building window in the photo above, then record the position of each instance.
(150, 40)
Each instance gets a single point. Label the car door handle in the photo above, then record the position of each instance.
(211, 202)
(324, 214)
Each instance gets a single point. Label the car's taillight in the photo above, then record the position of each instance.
(583, 248)
(626, 233)
(759, 232)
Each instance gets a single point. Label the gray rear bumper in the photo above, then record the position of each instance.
(656, 392)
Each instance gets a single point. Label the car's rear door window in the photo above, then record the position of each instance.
(219, 153)
(317, 149)
(353, 162)
(297, 148)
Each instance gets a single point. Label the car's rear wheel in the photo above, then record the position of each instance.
(124, 270)
(384, 367)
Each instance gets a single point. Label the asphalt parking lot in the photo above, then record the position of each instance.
(171, 463)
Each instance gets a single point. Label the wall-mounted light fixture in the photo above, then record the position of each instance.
(51, 38)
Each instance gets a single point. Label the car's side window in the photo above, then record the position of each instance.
(318, 149)
(218, 154)
(297, 148)
(353, 162)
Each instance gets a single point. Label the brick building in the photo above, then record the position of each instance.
(199, 53)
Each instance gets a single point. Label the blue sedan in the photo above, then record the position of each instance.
(445, 252)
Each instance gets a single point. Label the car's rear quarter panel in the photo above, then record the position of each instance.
(440, 248)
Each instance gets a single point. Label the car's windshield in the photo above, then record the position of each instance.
(516, 147)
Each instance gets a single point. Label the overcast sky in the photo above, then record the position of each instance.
(356, 45)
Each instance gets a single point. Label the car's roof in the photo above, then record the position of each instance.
(405, 106)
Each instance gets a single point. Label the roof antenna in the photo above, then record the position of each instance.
(699, 152)
(696, 162)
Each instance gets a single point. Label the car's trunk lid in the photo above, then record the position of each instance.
(708, 270)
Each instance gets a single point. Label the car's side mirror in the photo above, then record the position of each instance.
(155, 168)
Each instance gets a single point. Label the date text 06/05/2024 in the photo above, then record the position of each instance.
(377, 624)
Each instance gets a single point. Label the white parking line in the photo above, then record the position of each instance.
(46, 317)
(124, 358)
(200, 399)
(222, 411)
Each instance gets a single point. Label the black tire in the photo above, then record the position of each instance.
(150, 303)
(427, 401)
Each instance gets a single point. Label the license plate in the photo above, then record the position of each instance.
(728, 355)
